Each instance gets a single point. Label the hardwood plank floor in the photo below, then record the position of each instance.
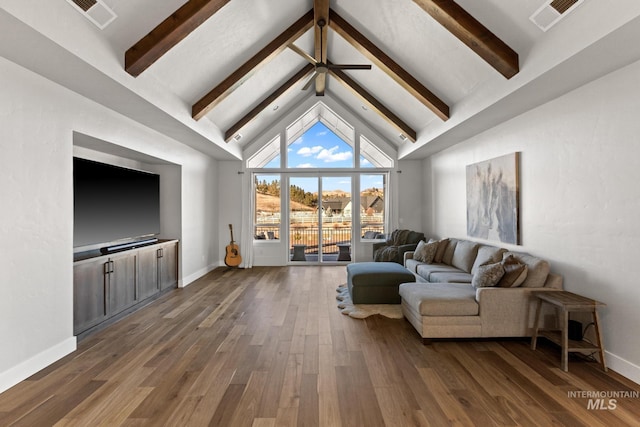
(268, 347)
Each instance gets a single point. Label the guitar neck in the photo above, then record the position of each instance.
(231, 231)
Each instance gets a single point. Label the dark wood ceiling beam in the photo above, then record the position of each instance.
(238, 77)
(472, 33)
(286, 87)
(374, 104)
(169, 33)
(389, 66)
(321, 12)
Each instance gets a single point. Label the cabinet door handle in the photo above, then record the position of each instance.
(106, 267)
(160, 253)
(112, 267)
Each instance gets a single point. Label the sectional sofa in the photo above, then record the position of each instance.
(458, 294)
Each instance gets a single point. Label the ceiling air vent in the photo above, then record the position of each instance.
(553, 11)
(95, 11)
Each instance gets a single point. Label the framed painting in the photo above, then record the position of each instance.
(493, 194)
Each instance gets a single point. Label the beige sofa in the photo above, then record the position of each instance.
(443, 302)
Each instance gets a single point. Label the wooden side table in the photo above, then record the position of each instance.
(566, 302)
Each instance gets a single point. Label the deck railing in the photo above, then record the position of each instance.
(307, 235)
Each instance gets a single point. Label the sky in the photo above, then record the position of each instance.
(320, 148)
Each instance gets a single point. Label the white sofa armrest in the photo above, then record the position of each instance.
(407, 255)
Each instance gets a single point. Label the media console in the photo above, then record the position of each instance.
(109, 286)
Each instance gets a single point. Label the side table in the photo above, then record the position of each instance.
(566, 302)
(344, 253)
(298, 253)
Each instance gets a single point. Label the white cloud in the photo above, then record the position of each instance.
(330, 155)
(306, 165)
(309, 151)
(322, 133)
(364, 161)
(299, 140)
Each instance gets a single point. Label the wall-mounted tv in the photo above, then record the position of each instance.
(113, 203)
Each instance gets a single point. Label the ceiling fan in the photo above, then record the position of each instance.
(321, 64)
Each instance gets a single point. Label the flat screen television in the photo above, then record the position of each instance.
(113, 204)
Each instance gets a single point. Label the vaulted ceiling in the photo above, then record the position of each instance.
(449, 14)
(206, 71)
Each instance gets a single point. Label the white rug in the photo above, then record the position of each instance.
(361, 311)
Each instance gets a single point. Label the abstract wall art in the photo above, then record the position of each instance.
(493, 199)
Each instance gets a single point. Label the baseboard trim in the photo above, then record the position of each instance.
(623, 367)
(186, 281)
(24, 370)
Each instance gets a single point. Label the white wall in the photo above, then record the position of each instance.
(230, 206)
(37, 121)
(580, 198)
(409, 195)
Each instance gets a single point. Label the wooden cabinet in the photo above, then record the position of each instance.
(158, 269)
(121, 283)
(89, 294)
(105, 286)
(168, 266)
(148, 273)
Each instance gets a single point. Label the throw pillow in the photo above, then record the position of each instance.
(442, 246)
(425, 252)
(417, 253)
(515, 272)
(487, 275)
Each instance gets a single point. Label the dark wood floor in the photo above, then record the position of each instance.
(268, 347)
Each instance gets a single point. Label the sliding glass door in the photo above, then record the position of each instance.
(320, 219)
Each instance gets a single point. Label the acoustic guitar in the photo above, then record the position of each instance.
(232, 258)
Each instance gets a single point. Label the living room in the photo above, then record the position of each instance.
(578, 174)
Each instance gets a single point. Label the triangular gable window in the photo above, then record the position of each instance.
(266, 157)
(319, 139)
(373, 157)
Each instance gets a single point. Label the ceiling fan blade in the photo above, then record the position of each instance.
(309, 82)
(349, 66)
(302, 53)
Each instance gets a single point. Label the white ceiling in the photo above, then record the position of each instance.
(478, 95)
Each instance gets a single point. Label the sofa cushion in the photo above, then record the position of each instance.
(412, 265)
(537, 269)
(515, 272)
(450, 277)
(464, 255)
(440, 299)
(425, 270)
(442, 247)
(487, 275)
(487, 255)
(449, 250)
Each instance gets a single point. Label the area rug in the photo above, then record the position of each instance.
(361, 311)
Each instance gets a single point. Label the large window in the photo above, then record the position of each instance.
(335, 183)
(267, 207)
(373, 157)
(266, 157)
(372, 205)
(319, 148)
